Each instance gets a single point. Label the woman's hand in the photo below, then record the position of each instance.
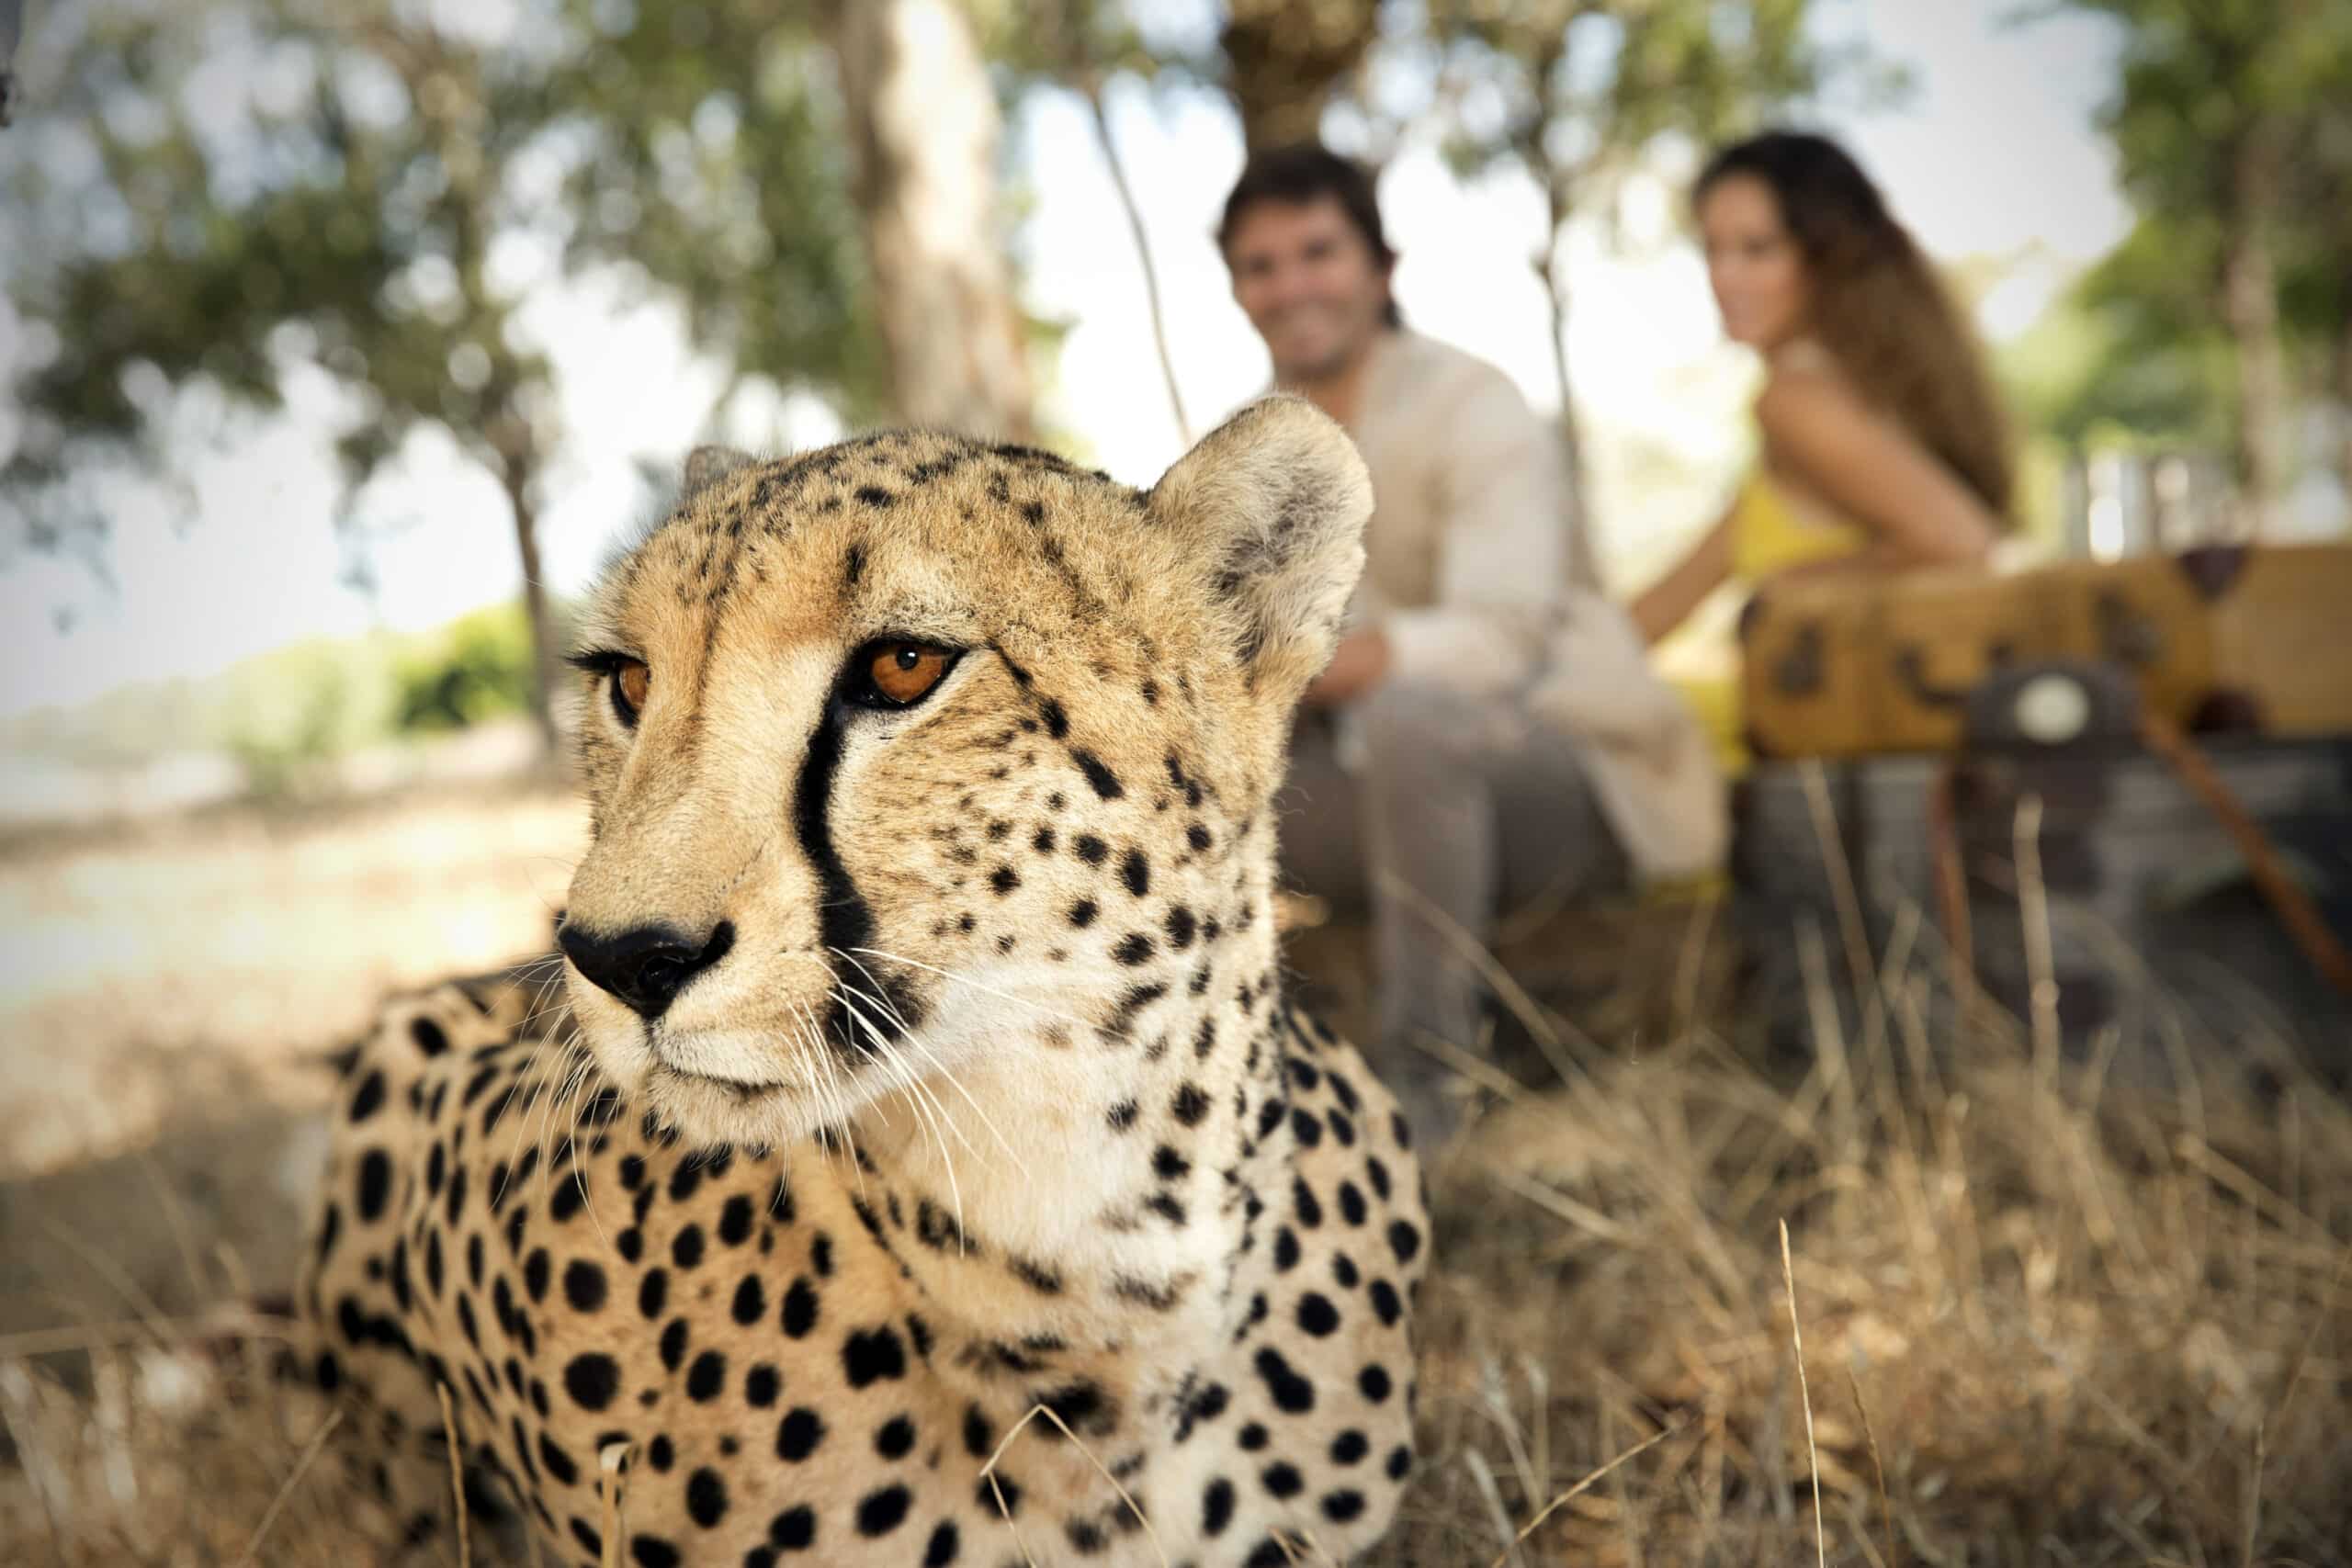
(1668, 601)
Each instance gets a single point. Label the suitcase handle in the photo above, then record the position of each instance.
(1911, 669)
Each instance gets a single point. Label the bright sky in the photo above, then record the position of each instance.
(1993, 154)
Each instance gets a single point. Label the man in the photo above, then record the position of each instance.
(1437, 771)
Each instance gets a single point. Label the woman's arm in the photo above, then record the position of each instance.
(1873, 471)
(1667, 602)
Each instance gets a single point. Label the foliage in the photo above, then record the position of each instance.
(2315, 285)
(279, 760)
(2234, 139)
(1574, 91)
(369, 183)
(283, 710)
(222, 194)
(710, 158)
(479, 667)
(259, 184)
(2132, 348)
(1285, 60)
(2202, 79)
(1076, 44)
(288, 715)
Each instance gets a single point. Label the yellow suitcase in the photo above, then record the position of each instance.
(2281, 630)
(2235, 638)
(1806, 647)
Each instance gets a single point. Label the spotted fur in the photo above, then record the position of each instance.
(988, 1110)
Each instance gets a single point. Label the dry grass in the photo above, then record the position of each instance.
(2045, 1319)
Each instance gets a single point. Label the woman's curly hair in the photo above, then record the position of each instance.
(1877, 306)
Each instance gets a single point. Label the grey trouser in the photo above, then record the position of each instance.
(1465, 799)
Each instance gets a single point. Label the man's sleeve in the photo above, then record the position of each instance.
(1499, 513)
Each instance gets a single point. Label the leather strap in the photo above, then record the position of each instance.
(2289, 903)
(2293, 906)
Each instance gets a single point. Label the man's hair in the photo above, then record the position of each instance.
(1296, 174)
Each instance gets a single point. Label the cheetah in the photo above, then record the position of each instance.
(915, 1158)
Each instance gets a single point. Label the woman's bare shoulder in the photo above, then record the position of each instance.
(1804, 394)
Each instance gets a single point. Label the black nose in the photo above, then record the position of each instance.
(646, 967)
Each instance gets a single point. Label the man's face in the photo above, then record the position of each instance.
(1307, 281)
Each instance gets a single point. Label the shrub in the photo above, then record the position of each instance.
(480, 668)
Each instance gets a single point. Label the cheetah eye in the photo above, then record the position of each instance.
(632, 684)
(629, 682)
(896, 672)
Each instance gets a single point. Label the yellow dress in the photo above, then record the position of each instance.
(1770, 534)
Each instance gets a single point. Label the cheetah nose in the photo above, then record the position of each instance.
(646, 967)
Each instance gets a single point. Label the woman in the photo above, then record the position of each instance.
(1882, 445)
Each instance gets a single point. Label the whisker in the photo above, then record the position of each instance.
(920, 1094)
(811, 1030)
(917, 1097)
(913, 1038)
(580, 1100)
(567, 1096)
(559, 1005)
(840, 1096)
(975, 984)
(540, 1111)
(917, 1044)
(947, 1167)
(916, 1083)
(916, 1041)
(889, 1007)
(545, 1064)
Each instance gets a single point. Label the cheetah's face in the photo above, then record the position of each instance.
(915, 750)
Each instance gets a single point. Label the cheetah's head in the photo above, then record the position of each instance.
(915, 753)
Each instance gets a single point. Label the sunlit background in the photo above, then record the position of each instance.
(1987, 137)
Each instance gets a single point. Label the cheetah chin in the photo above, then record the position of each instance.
(910, 1156)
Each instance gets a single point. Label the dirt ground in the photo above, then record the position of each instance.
(165, 992)
(2041, 1320)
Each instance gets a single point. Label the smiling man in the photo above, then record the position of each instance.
(1416, 752)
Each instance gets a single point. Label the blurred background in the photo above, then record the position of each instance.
(340, 339)
(328, 326)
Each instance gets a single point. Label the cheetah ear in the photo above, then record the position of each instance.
(1272, 505)
(706, 466)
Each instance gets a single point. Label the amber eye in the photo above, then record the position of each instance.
(624, 679)
(897, 673)
(632, 684)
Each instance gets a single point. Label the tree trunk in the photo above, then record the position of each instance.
(515, 478)
(923, 129)
(1283, 59)
(2344, 396)
(2250, 307)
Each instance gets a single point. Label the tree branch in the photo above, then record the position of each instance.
(1091, 89)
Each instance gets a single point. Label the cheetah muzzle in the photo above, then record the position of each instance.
(914, 1159)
